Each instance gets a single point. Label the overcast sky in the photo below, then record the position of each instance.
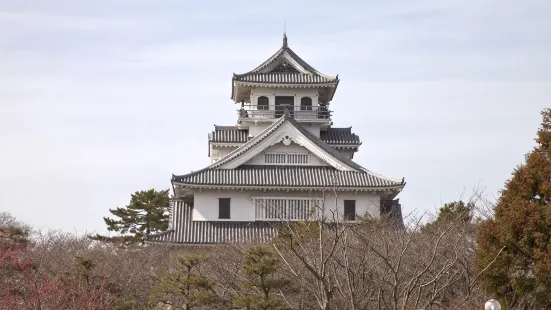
(99, 99)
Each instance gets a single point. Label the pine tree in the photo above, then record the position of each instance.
(519, 235)
(148, 212)
(260, 270)
(450, 212)
(184, 287)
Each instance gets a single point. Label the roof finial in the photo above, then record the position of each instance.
(286, 114)
(285, 35)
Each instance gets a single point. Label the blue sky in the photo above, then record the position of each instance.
(99, 99)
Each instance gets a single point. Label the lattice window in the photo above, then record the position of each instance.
(289, 209)
(271, 158)
(286, 158)
(297, 159)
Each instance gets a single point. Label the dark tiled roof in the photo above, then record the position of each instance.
(230, 134)
(339, 136)
(251, 143)
(324, 146)
(305, 74)
(184, 230)
(286, 176)
(284, 78)
(333, 136)
(211, 175)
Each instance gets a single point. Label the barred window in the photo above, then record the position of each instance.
(286, 158)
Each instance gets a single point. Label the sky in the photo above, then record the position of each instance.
(99, 99)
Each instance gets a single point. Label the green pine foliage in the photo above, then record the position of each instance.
(450, 212)
(148, 212)
(520, 233)
(262, 281)
(184, 287)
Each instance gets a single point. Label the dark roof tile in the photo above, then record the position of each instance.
(285, 78)
(286, 176)
(333, 136)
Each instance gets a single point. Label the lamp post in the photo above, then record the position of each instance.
(492, 304)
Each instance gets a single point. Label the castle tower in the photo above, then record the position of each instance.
(282, 161)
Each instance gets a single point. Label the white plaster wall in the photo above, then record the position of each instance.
(313, 160)
(298, 93)
(313, 128)
(242, 207)
(255, 129)
(366, 203)
(219, 152)
(206, 206)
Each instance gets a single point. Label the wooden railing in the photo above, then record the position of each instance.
(277, 111)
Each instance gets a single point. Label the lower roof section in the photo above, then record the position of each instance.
(288, 176)
(184, 230)
(334, 136)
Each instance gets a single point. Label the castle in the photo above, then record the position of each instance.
(277, 163)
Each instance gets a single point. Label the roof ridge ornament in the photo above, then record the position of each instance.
(286, 115)
(285, 44)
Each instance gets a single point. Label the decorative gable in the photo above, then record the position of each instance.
(284, 67)
(286, 131)
(283, 154)
(340, 172)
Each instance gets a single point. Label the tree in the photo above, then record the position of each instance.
(260, 270)
(184, 287)
(451, 211)
(521, 276)
(34, 289)
(12, 233)
(148, 212)
(309, 249)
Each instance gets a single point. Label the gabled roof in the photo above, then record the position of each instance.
(347, 164)
(287, 176)
(285, 67)
(331, 136)
(230, 166)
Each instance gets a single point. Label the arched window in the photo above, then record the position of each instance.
(262, 103)
(306, 104)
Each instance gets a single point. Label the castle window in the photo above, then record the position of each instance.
(223, 208)
(306, 104)
(350, 210)
(263, 103)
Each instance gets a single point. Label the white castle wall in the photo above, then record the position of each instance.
(298, 93)
(242, 207)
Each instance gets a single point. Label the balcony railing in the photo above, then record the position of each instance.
(255, 112)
